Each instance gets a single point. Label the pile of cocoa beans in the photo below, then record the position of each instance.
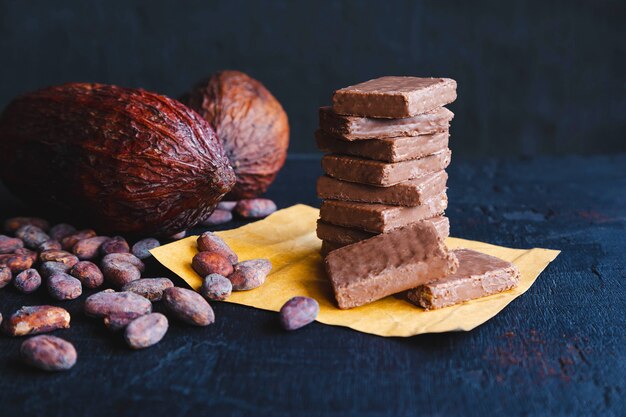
(253, 208)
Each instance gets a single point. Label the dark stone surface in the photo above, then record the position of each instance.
(534, 77)
(560, 349)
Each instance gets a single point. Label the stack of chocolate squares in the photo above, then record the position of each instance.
(387, 144)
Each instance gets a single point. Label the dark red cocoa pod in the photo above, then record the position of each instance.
(206, 263)
(88, 249)
(61, 230)
(210, 242)
(27, 281)
(5, 276)
(116, 244)
(217, 217)
(88, 274)
(10, 244)
(49, 353)
(62, 286)
(16, 262)
(32, 236)
(50, 244)
(13, 224)
(69, 241)
(142, 248)
(255, 208)
(85, 138)
(58, 256)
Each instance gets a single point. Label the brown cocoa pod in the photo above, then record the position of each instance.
(124, 257)
(60, 256)
(16, 262)
(146, 331)
(27, 281)
(216, 287)
(217, 217)
(10, 244)
(49, 353)
(88, 274)
(246, 277)
(188, 306)
(298, 312)
(119, 273)
(62, 286)
(50, 244)
(13, 224)
(61, 230)
(110, 303)
(47, 269)
(32, 236)
(261, 264)
(255, 208)
(116, 244)
(210, 242)
(206, 263)
(5, 276)
(251, 124)
(69, 241)
(151, 288)
(88, 249)
(84, 138)
(226, 205)
(142, 248)
(27, 252)
(36, 319)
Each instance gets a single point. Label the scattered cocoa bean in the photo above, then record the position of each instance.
(142, 248)
(62, 286)
(179, 235)
(151, 288)
(216, 287)
(49, 353)
(50, 244)
(117, 244)
(10, 244)
(61, 230)
(217, 217)
(210, 242)
(298, 312)
(88, 274)
(110, 303)
(60, 256)
(47, 269)
(69, 241)
(32, 236)
(5, 276)
(119, 273)
(88, 249)
(27, 281)
(206, 263)
(36, 319)
(226, 205)
(146, 331)
(188, 306)
(118, 321)
(124, 257)
(13, 224)
(262, 264)
(27, 252)
(255, 208)
(16, 262)
(247, 276)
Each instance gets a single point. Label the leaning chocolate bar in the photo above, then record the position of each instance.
(478, 275)
(387, 264)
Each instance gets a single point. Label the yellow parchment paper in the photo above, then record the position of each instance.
(288, 239)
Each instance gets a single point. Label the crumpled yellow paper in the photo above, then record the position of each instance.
(288, 239)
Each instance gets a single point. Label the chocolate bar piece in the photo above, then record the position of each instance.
(478, 275)
(395, 149)
(342, 236)
(328, 247)
(365, 171)
(407, 193)
(354, 128)
(394, 97)
(379, 218)
(387, 264)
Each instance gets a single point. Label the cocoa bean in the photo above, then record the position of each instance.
(142, 248)
(226, 205)
(216, 287)
(61, 230)
(27, 281)
(118, 321)
(69, 241)
(179, 235)
(36, 319)
(262, 264)
(88, 274)
(0, 318)
(62, 286)
(247, 276)
(50, 244)
(60, 256)
(146, 331)
(32, 236)
(255, 208)
(13, 224)
(217, 217)
(119, 273)
(151, 288)
(47, 269)
(49, 353)
(16, 262)
(206, 263)
(116, 244)
(124, 257)
(188, 306)
(27, 252)
(298, 312)
(210, 242)
(5, 276)
(110, 303)
(89, 248)
(10, 244)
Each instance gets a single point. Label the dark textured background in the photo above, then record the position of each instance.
(534, 77)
